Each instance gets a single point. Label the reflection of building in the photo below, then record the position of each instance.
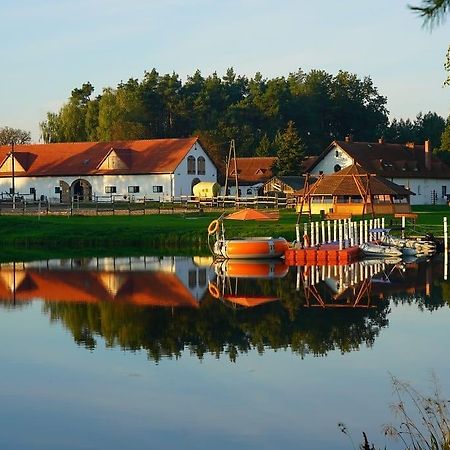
(153, 281)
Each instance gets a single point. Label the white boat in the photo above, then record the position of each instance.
(379, 250)
(409, 246)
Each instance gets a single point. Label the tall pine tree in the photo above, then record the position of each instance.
(290, 151)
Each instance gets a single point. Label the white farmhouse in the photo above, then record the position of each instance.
(156, 169)
(411, 166)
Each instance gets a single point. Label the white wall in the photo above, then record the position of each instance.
(423, 188)
(246, 190)
(183, 180)
(331, 159)
(46, 185)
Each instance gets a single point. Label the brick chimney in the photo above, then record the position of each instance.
(349, 138)
(427, 151)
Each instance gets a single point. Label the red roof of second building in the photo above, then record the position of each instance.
(84, 158)
(254, 169)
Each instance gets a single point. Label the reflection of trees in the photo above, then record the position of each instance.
(219, 329)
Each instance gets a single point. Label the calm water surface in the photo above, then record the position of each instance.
(174, 353)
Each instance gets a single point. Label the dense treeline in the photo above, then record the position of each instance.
(284, 116)
(252, 111)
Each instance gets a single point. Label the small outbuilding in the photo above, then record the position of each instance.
(353, 191)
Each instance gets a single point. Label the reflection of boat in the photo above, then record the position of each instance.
(375, 249)
(248, 247)
(235, 277)
(252, 268)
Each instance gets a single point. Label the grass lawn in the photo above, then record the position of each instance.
(156, 232)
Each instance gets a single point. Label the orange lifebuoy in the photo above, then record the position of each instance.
(213, 290)
(213, 227)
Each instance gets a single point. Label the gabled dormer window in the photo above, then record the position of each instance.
(8, 167)
(112, 161)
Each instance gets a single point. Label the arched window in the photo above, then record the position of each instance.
(337, 168)
(201, 165)
(191, 165)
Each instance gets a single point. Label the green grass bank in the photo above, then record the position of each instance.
(156, 233)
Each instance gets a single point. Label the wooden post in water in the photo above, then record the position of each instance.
(297, 234)
(335, 238)
(329, 230)
(317, 234)
(352, 235)
(404, 225)
(366, 231)
(323, 233)
(313, 241)
(340, 235)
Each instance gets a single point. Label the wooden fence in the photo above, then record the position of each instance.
(111, 205)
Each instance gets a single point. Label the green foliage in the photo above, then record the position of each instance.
(250, 111)
(9, 135)
(432, 11)
(290, 151)
(265, 147)
(429, 126)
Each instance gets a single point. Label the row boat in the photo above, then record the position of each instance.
(245, 248)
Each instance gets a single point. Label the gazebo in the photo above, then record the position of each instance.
(353, 191)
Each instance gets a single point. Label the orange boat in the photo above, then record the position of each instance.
(248, 247)
(251, 247)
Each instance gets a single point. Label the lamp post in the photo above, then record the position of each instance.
(13, 179)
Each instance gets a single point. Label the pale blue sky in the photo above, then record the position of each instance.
(49, 47)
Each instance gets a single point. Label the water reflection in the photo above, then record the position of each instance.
(164, 305)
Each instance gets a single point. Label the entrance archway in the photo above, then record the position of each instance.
(81, 190)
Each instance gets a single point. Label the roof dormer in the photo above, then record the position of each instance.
(116, 159)
(21, 163)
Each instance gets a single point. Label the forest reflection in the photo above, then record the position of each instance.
(167, 305)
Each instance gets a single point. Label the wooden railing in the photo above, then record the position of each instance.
(114, 204)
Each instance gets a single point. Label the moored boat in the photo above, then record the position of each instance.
(245, 247)
(376, 249)
(251, 247)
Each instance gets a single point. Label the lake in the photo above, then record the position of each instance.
(176, 352)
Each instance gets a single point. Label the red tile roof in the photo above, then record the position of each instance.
(84, 158)
(141, 288)
(253, 170)
(391, 160)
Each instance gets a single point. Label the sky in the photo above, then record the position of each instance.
(50, 47)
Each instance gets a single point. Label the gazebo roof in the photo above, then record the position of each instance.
(353, 180)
